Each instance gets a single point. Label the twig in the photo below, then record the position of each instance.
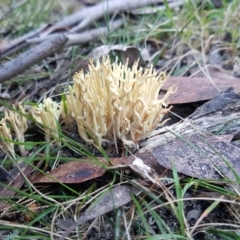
(20, 42)
(83, 18)
(171, 5)
(80, 38)
(32, 56)
(110, 7)
(88, 15)
(87, 36)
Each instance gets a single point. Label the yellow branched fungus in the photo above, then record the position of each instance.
(6, 139)
(114, 102)
(47, 114)
(18, 122)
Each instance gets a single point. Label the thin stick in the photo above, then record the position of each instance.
(75, 39)
(20, 42)
(32, 56)
(88, 15)
(84, 37)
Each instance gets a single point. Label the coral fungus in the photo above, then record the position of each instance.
(115, 102)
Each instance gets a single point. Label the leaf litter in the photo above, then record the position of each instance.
(192, 90)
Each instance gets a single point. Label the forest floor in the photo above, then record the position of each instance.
(54, 185)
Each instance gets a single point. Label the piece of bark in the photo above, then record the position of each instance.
(217, 104)
(209, 120)
(200, 156)
(27, 59)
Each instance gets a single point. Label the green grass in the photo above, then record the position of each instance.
(170, 36)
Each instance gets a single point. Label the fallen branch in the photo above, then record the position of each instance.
(84, 37)
(20, 42)
(88, 15)
(32, 56)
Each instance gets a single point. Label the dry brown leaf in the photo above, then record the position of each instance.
(71, 172)
(124, 52)
(200, 88)
(87, 169)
